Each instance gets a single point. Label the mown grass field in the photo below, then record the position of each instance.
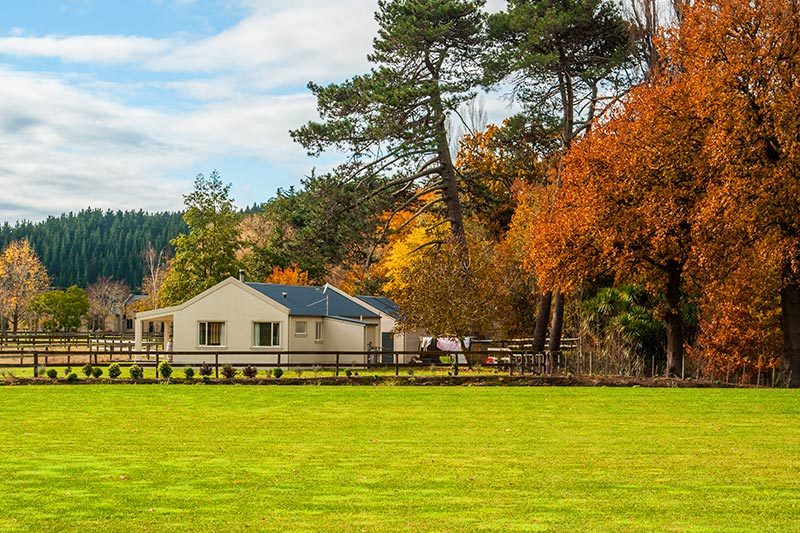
(213, 458)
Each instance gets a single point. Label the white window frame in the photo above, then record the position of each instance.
(318, 331)
(274, 324)
(223, 333)
(303, 333)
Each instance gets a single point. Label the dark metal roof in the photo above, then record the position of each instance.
(310, 301)
(382, 304)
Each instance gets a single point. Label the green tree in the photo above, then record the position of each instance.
(61, 310)
(323, 224)
(394, 120)
(207, 254)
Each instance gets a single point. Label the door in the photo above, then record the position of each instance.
(387, 346)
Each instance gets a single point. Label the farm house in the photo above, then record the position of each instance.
(235, 318)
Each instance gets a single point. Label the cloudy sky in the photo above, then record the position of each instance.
(118, 104)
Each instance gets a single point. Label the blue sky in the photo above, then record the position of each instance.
(118, 104)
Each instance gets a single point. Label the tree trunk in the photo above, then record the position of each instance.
(555, 331)
(448, 174)
(542, 318)
(790, 322)
(674, 322)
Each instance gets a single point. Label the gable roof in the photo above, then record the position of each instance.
(382, 304)
(309, 301)
(164, 311)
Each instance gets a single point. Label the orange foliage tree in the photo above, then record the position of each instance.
(291, 275)
(741, 317)
(629, 196)
(742, 60)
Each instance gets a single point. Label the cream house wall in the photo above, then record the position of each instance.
(344, 336)
(239, 309)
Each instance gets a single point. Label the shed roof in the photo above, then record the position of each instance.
(310, 301)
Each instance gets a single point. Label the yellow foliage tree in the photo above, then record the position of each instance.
(22, 277)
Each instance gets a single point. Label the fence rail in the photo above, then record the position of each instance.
(35, 359)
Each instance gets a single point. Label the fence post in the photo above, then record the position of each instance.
(156, 365)
(36, 364)
(216, 365)
(336, 372)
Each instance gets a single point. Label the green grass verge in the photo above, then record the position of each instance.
(161, 458)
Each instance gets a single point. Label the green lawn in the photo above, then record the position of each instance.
(207, 458)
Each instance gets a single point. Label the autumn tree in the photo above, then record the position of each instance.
(106, 298)
(629, 201)
(291, 275)
(438, 291)
(741, 316)
(563, 60)
(22, 277)
(393, 121)
(496, 160)
(207, 254)
(743, 62)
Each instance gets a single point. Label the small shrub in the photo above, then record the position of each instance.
(348, 373)
(40, 371)
(165, 370)
(97, 372)
(114, 370)
(188, 373)
(206, 369)
(52, 373)
(87, 370)
(249, 371)
(277, 373)
(72, 377)
(268, 372)
(67, 371)
(299, 372)
(206, 379)
(136, 372)
(228, 372)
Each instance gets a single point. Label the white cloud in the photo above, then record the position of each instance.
(65, 148)
(86, 48)
(289, 44)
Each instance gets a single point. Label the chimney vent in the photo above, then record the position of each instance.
(241, 275)
(284, 294)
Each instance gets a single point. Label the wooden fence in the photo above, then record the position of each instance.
(36, 359)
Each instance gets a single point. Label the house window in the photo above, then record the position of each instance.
(318, 332)
(128, 323)
(211, 334)
(300, 329)
(267, 334)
